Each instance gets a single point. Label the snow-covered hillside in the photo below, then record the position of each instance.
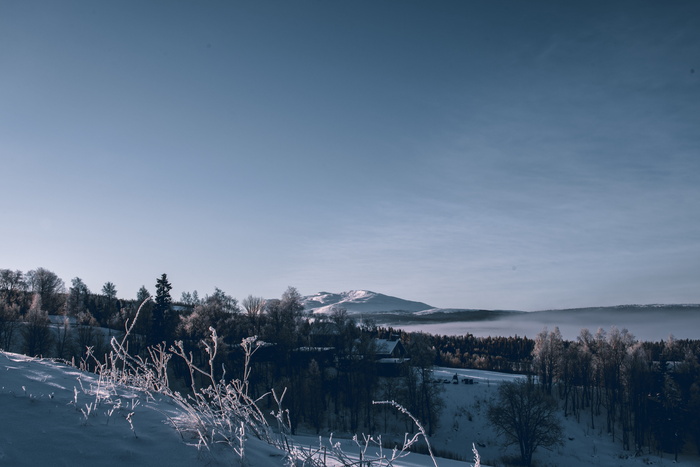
(464, 421)
(54, 414)
(360, 301)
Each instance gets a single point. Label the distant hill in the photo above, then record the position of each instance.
(361, 301)
(646, 322)
(649, 322)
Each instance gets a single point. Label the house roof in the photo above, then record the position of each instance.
(385, 346)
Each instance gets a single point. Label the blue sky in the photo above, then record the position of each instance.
(512, 155)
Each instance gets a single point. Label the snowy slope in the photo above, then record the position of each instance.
(57, 415)
(360, 301)
(464, 421)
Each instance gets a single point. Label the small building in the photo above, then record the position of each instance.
(390, 348)
(391, 356)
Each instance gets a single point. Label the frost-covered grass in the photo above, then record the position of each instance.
(55, 414)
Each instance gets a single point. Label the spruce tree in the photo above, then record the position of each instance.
(163, 318)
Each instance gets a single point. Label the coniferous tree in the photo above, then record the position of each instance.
(109, 290)
(163, 319)
(9, 322)
(109, 304)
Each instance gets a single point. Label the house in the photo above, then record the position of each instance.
(391, 355)
(390, 348)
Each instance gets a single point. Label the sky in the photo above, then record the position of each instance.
(480, 154)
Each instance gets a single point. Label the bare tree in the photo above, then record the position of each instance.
(612, 357)
(36, 332)
(50, 288)
(13, 288)
(64, 339)
(9, 321)
(546, 355)
(526, 416)
(424, 398)
(253, 305)
(284, 318)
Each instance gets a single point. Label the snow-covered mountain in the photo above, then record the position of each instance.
(361, 301)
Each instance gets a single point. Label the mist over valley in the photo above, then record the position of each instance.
(646, 322)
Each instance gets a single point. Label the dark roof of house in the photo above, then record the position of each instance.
(386, 346)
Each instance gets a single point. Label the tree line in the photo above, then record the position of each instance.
(507, 354)
(327, 363)
(647, 393)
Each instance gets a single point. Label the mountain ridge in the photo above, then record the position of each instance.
(361, 301)
(366, 301)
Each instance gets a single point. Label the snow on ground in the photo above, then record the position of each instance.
(464, 422)
(54, 414)
(478, 376)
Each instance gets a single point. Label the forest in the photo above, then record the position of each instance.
(647, 393)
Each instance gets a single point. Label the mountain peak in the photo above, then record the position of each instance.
(360, 301)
